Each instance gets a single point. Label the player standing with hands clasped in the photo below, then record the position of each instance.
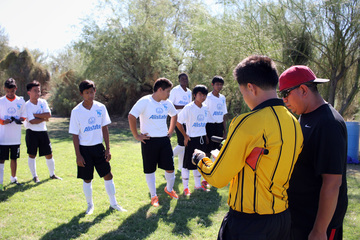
(89, 126)
(12, 113)
(155, 136)
(318, 189)
(257, 158)
(38, 113)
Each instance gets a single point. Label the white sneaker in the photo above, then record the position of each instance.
(90, 209)
(117, 207)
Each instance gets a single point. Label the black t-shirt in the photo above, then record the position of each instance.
(324, 152)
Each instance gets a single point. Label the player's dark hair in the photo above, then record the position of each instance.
(183, 75)
(162, 83)
(86, 84)
(200, 88)
(216, 79)
(32, 84)
(10, 83)
(258, 70)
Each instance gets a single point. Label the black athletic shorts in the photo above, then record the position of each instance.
(157, 152)
(94, 156)
(14, 152)
(243, 226)
(35, 140)
(180, 137)
(194, 143)
(214, 129)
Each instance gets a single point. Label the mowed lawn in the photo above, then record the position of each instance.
(55, 209)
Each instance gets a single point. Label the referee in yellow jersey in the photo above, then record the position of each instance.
(257, 158)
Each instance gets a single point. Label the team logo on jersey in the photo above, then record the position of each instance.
(185, 98)
(18, 105)
(11, 110)
(219, 106)
(200, 118)
(165, 106)
(91, 120)
(159, 110)
(99, 112)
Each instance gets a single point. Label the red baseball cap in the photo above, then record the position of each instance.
(297, 75)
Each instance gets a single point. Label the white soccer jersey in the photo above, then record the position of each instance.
(10, 134)
(195, 119)
(153, 115)
(217, 108)
(87, 124)
(31, 109)
(179, 97)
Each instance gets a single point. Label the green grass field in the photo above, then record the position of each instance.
(55, 209)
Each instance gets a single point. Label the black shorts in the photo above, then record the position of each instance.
(180, 137)
(194, 143)
(214, 129)
(14, 152)
(332, 234)
(157, 152)
(243, 226)
(35, 140)
(94, 156)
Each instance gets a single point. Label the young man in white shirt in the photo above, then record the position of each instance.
(38, 113)
(194, 116)
(89, 126)
(180, 96)
(216, 103)
(12, 113)
(155, 136)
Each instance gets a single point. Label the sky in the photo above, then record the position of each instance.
(47, 25)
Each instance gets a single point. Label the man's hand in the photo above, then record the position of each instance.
(198, 155)
(314, 235)
(80, 161)
(107, 155)
(17, 121)
(142, 137)
(186, 140)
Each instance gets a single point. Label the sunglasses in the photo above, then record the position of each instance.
(285, 93)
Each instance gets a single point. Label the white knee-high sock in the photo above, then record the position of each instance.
(87, 188)
(32, 166)
(181, 157)
(176, 150)
(185, 173)
(2, 167)
(151, 182)
(170, 180)
(197, 178)
(110, 189)
(51, 166)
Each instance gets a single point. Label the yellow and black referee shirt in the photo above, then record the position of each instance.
(259, 186)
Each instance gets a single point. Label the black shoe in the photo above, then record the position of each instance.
(55, 177)
(36, 180)
(16, 182)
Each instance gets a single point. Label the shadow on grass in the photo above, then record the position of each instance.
(74, 228)
(145, 221)
(12, 189)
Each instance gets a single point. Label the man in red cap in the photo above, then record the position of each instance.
(318, 189)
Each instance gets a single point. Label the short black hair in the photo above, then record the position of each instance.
(10, 83)
(183, 75)
(200, 88)
(259, 70)
(32, 84)
(86, 84)
(162, 83)
(216, 79)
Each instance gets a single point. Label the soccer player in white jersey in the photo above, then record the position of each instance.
(216, 103)
(180, 96)
(38, 113)
(194, 115)
(89, 122)
(155, 136)
(12, 113)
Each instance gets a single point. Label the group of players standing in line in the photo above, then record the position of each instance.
(266, 150)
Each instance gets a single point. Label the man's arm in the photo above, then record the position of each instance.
(224, 125)
(173, 121)
(133, 128)
(79, 158)
(46, 115)
(105, 132)
(182, 130)
(329, 193)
